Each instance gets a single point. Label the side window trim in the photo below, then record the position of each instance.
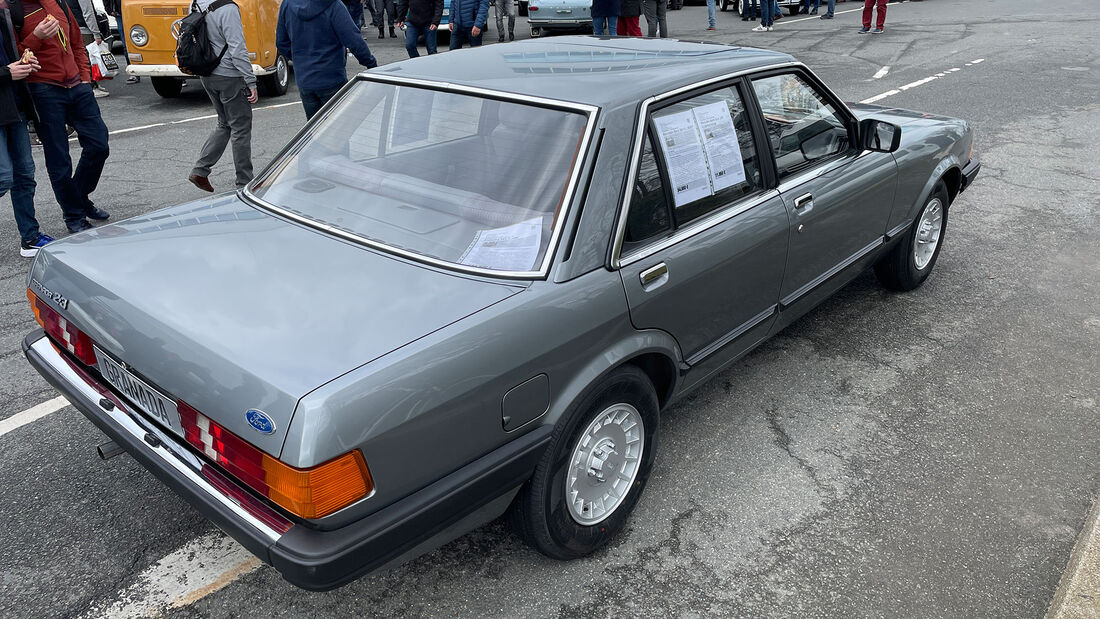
(666, 184)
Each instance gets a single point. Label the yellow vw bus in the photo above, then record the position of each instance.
(152, 27)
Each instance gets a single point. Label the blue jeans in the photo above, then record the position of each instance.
(832, 6)
(313, 100)
(412, 34)
(77, 107)
(767, 13)
(752, 10)
(464, 34)
(610, 23)
(710, 13)
(17, 176)
(816, 3)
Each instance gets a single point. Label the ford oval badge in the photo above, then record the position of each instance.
(260, 421)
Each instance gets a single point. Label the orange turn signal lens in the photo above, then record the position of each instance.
(321, 490)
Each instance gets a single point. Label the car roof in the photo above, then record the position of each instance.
(603, 72)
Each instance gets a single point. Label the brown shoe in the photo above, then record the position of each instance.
(201, 182)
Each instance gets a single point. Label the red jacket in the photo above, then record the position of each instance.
(62, 56)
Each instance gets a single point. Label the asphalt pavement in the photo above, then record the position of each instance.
(929, 454)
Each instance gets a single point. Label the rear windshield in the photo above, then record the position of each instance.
(468, 180)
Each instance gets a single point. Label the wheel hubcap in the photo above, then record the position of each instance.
(281, 71)
(604, 464)
(929, 229)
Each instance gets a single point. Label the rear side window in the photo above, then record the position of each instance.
(648, 216)
(803, 126)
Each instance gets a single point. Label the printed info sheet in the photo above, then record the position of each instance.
(687, 165)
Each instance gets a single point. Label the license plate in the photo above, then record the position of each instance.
(153, 403)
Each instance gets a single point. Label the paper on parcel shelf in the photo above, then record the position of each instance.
(511, 248)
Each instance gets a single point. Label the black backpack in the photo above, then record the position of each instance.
(193, 53)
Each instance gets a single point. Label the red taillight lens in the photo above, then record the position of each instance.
(61, 330)
(309, 493)
(532, 8)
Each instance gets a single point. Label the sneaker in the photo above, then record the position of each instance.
(29, 250)
(97, 214)
(760, 28)
(827, 16)
(79, 226)
(877, 31)
(711, 28)
(864, 30)
(813, 12)
(770, 28)
(133, 79)
(99, 93)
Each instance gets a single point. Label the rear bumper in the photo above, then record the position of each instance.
(307, 557)
(171, 70)
(561, 23)
(969, 173)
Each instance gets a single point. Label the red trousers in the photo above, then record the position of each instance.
(867, 6)
(628, 27)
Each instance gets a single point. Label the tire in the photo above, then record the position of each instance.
(793, 10)
(167, 87)
(275, 85)
(542, 513)
(910, 262)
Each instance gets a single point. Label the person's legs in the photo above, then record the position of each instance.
(218, 139)
(620, 27)
(881, 18)
(662, 18)
(317, 99)
(430, 40)
(51, 103)
(598, 25)
(649, 9)
(412, 34)
(238, 113)
(512, 11)
(499, 4)
(91, 132)
(459, 35)
(868, 6)
(766, 17)
(710, 14)
(634, 26)
(17, 176)
(832, 7)
(612, 24)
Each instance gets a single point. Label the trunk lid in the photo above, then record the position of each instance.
(230, 308)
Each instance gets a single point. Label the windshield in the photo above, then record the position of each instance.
(464, 179)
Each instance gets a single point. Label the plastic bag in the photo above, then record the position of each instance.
(102, 61)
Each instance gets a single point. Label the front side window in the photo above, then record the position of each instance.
(803, 126)
(448, 176)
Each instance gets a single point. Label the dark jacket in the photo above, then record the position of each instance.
(630, 8)
(15, 99)
(469, 13)
(420, 13)
(605, 8)
(314, 34)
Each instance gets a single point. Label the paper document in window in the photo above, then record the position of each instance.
(684, 157)
(720, 140)
(511, 248)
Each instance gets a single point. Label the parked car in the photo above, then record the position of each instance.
(545, 16)
(153, 27)
(383, 342)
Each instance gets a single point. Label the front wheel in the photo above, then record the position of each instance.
(589, 480)
(167, 87)
(275, 84)
(910, 261)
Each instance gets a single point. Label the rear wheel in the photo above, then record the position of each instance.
(910, 261)
(167, 87)
(275, 84)
(589, 480)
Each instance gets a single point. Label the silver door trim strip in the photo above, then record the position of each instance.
(721, 342)
(790, 299)
(898, 229)
(639, 134)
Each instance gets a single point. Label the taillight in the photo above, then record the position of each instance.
(309, 493)
(532, 8)
(61, 330)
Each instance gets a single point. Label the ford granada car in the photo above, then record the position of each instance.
(471, 283)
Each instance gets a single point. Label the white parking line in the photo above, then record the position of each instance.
(920, 82)
(33, 413)
(200, 567)
(882, 72)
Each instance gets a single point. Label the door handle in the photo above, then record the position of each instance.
(804, 203)
(654, 276)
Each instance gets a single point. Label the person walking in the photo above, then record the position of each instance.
(62, 94)
(629, 15)
(420, 18)
(868, 7)
(655, 17)
(16, 163)
(750, 10)
(830, 10)
(381, 12)
(314, 34)
(232, 89)
(468, 19)
(605, 17)
(506, 7)
(767, 17)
